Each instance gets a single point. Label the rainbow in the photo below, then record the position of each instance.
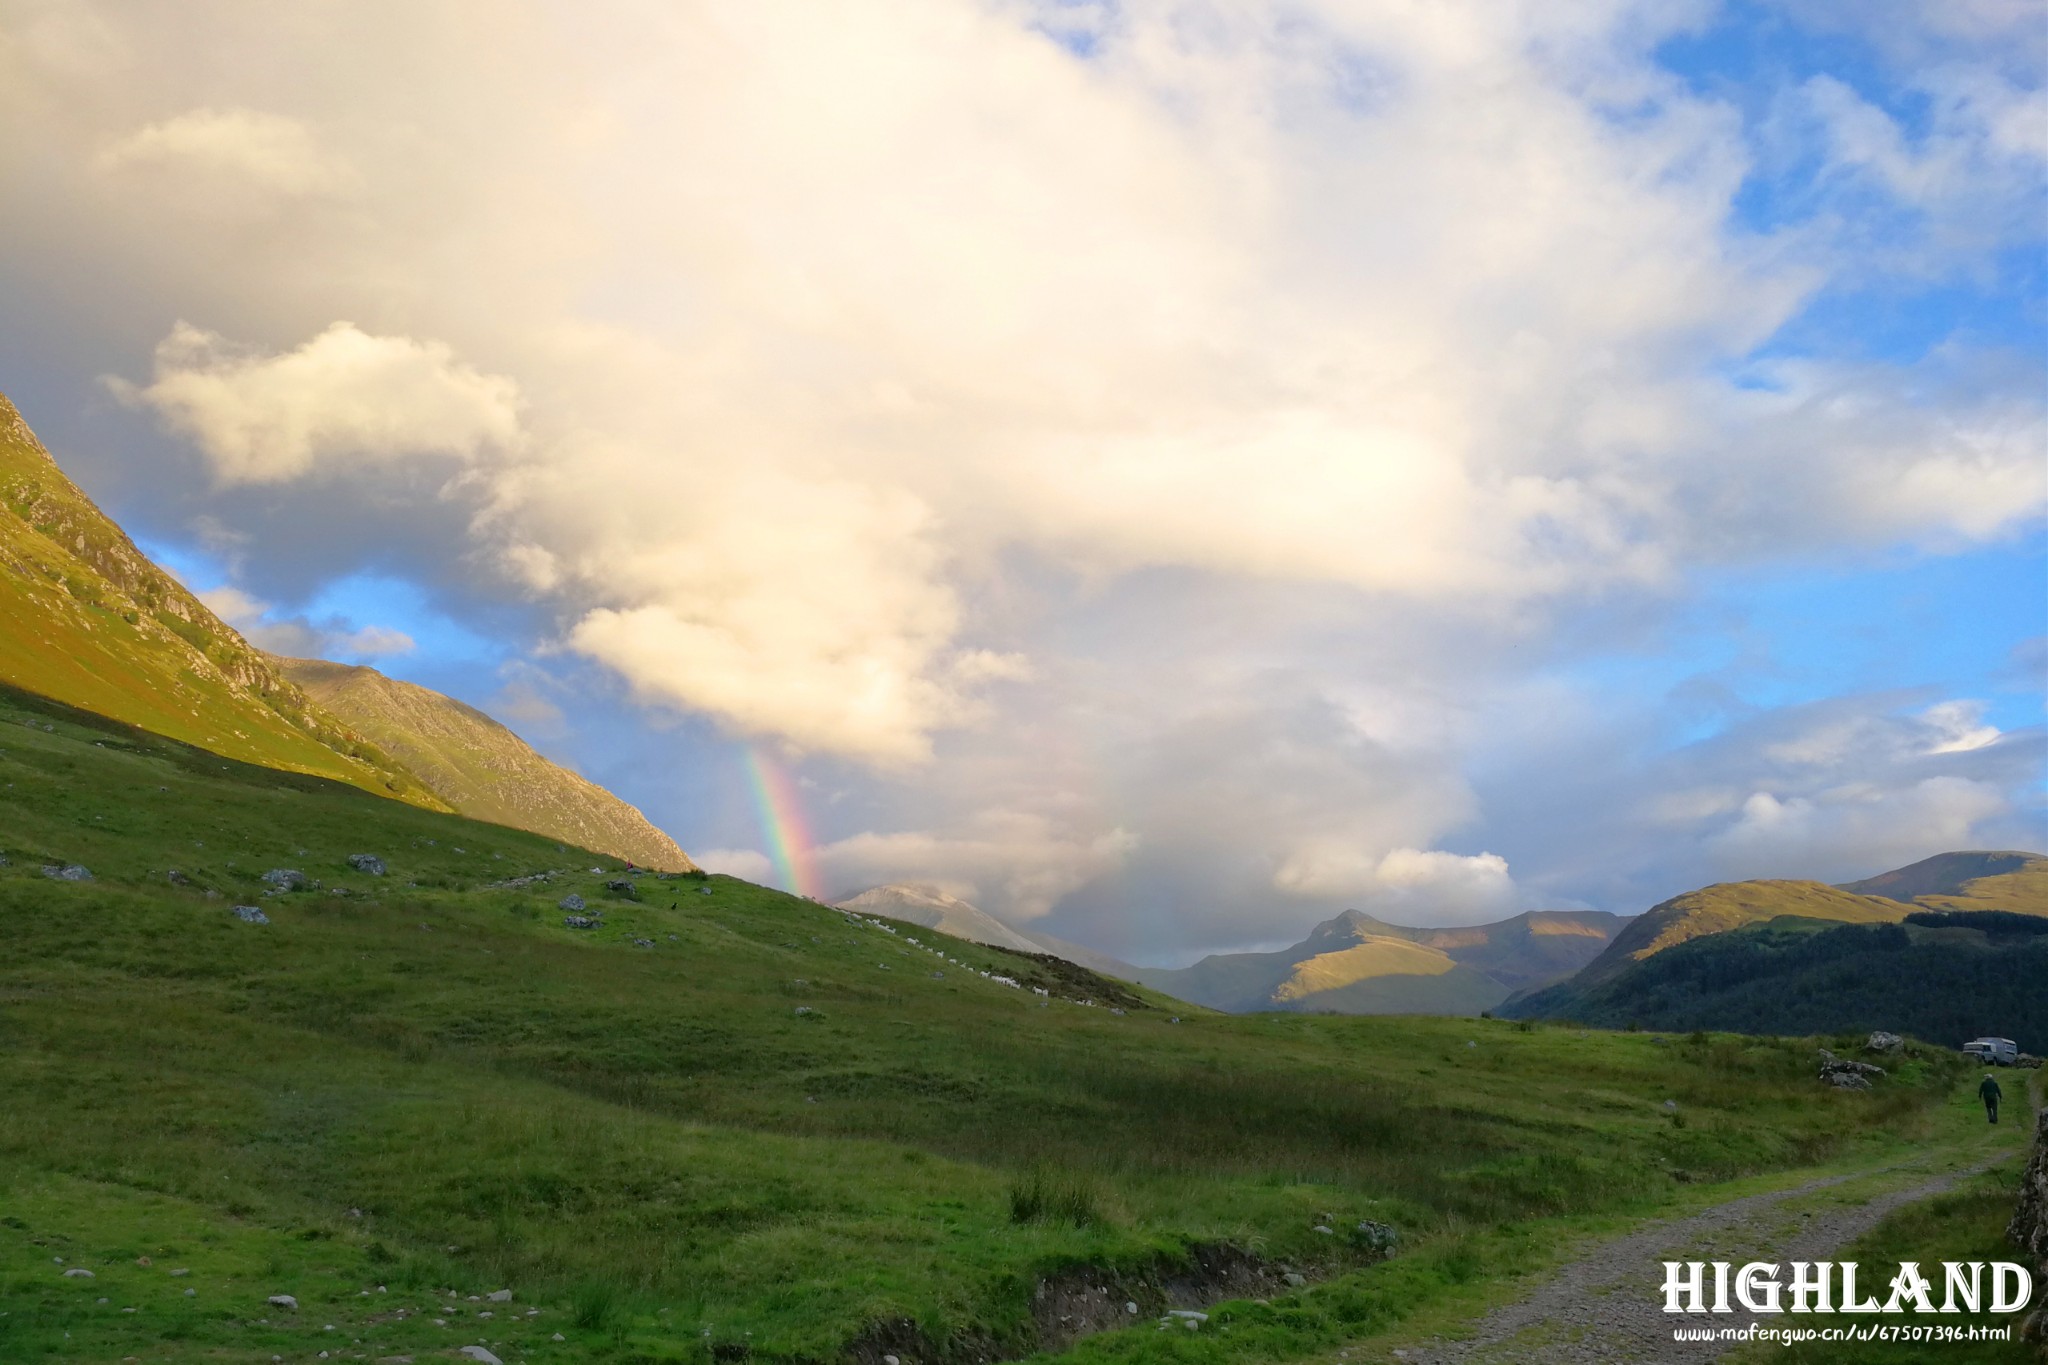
(790, 847)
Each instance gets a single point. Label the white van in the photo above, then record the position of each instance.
(1993, 1051)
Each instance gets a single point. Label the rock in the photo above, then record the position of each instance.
(2029, 1228)
(1295, 1279)
(177, 878)
(572, 903)
(480, 1353)
(891, 1360)
(499, 1296)
(621, 887)
(1327, 1232)
(285, 879)
(580, 922)
(1845, 1073)
(369, 864)
(67, 872)
(1881, 1041)
(79, 1273)
(282, 1301)
(249, 914)
(181, 1271)
(1131, 1308)
(1380, 1237)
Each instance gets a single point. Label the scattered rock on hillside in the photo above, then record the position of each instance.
(1845, 1073)
(67, 872)
(285, 879)
(571, 903)
(499, 1296)
(367, 863)
(1380, 1237)
(621, 887)
(1881, 1041)
(480, 1353)
(249, 914)
(75, 1273)
(580, 922)
(177, 878)
(283, 1301)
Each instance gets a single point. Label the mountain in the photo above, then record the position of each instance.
(1730, 905)
(86, 618)
(2004, 880)
(1355, 964)
(479, 767)
(1942, 976)
(1761, 956)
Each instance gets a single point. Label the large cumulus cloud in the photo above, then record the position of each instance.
(1143, 441)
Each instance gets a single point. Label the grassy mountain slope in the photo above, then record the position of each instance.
(479, 767)
(87, 619)
(727, 1124)
(1357, 964)
(1953, 874)
(1943, 978)
(1729, 905)
(1755, 979)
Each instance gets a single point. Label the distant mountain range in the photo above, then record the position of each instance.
(1355, 964)
(1952, 947)
(86, 619)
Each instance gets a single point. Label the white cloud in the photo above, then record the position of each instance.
(342, 398)
(748, 864)
(1412, 886)
(268, 151)
(1183, 446)
(298, 636)
(1015, 865)
(1857, 824)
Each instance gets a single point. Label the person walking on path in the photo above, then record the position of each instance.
(1988, 1091)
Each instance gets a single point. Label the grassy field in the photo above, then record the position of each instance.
(729, 1123)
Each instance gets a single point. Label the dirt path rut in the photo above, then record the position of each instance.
(1607, 1306)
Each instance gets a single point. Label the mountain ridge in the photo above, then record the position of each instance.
(480, 766)
(87, 618)
(1354, 963)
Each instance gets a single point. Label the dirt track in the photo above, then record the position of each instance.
(1607, 1305)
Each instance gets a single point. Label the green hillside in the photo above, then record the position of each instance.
(479, 767)
(726, 1124)
(1730, 905)
(1356, 964)
(87, 619)
(1946, 978)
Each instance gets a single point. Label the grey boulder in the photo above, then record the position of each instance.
(368, 864)
(284, 879)
(249, 914)
(68, 872)
(572, 903)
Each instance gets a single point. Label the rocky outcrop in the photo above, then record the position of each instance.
(2029, 1229)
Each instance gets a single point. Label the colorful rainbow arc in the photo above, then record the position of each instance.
(790, 847)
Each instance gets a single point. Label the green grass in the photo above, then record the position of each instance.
(769, 1134)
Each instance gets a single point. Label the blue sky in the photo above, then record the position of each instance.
(1164, 471)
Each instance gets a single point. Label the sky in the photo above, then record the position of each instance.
(1164, 470)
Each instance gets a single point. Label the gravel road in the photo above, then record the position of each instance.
(1608, 1306)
